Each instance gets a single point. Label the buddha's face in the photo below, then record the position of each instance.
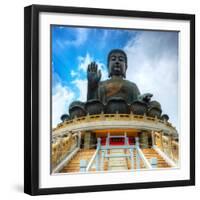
(117, 64)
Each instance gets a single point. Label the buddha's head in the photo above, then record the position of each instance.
(117, 63)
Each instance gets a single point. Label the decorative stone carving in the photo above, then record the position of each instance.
(65, 117)
(154, 109)
(117, 105)
(94, 107)
(138, 108)
(77, 109)
(165, 117)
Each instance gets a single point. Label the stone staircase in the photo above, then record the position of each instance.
(74, 164)
(113, 164)
(150, 153)
(119, 163)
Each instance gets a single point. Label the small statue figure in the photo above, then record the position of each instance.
(64, 117)
(77, 109)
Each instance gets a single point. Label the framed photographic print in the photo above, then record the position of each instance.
(109, 99)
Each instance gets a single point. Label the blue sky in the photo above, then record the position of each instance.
(152, 64)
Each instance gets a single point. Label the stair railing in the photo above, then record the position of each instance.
(140, 155)
(108, 147)
(101, 153)
(95, 157)
(69, 154)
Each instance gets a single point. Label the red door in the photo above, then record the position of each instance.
(117, 141)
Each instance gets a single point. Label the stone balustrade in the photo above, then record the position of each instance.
(104, 121)
(167, 144)
(90, 118)
(61, 147)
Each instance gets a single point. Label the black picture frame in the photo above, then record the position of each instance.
(32, 106)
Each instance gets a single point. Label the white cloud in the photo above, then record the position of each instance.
(82, 87)
(62, 97)
(73, 73)
(153, 66)
(85, 61)
(103, 68)
(81, 35)
(105, 35)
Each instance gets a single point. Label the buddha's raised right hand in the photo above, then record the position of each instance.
(93, 74)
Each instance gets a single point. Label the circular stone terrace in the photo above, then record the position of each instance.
(114, 121)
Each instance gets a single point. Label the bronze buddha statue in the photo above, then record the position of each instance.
(116, 88)
(116, 94)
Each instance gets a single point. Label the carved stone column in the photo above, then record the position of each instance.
(87, 140)
(153, 138)
(170, 147)
(161, 140)
(93, 140)
(144, 140)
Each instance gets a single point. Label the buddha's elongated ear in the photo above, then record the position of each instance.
(109, 70)
(124, 72)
